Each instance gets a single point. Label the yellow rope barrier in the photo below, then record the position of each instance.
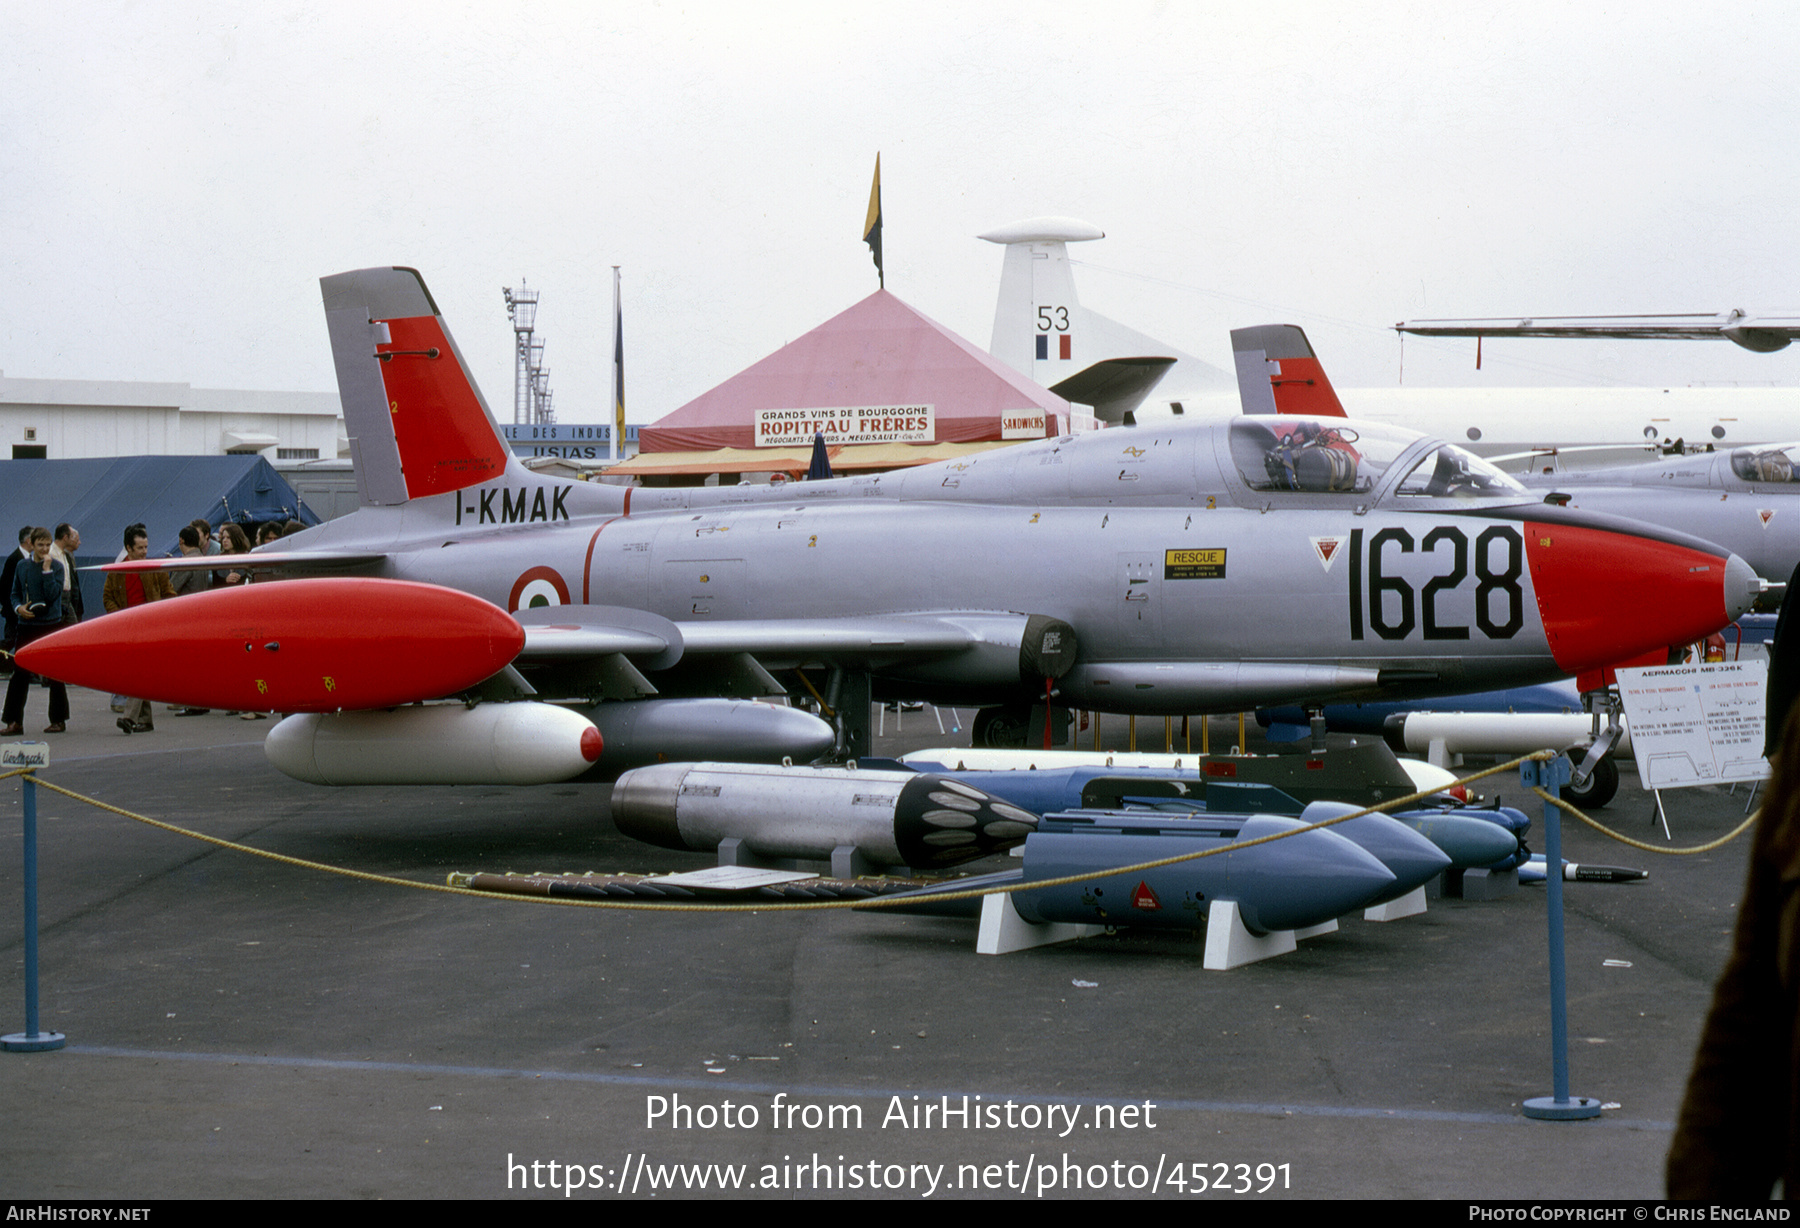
(1708, 847)
(883, 902)
(759, 906)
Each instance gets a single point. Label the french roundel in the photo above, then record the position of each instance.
(540, 586)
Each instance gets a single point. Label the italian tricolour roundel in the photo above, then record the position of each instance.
(541, 586)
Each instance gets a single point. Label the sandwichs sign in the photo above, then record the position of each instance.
(787, 428)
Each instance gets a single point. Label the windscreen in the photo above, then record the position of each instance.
(1448, 472)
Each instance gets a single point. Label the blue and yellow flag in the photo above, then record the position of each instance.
(872, 224)
(618, 370)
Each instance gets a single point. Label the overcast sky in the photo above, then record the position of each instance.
(174, 178)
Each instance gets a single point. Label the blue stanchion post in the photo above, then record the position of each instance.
(1551, 775)
(32, 1039)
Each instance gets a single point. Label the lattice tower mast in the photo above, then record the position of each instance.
(521, 309)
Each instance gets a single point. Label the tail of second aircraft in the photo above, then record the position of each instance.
(1278, 373)
(1038, 320)
(1042, 329)
(417, 423)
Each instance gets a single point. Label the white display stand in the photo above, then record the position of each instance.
(1004, 931)
(1230, 945)
(1409, 905)
(1696, 724)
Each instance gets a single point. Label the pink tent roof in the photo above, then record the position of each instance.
(879, 352)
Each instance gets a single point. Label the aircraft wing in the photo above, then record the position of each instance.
(560, 641)
(611, 648)
(570, 631)
(1114, 386)
(1216, 686)
(309, 560)
(829, 637)
(1762, 333)
(1650, 449)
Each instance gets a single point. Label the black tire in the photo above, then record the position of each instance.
(1601, 786)
(1001, 728)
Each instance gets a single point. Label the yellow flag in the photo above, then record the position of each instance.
(872, 224)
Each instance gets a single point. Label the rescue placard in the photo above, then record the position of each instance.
(1194, 564)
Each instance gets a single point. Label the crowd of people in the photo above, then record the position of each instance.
(44, 596)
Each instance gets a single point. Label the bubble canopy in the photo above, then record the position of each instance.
(1339, 456)
(1780, 463)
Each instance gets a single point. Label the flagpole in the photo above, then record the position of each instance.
(618, 431)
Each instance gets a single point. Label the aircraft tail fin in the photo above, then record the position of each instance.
(416, 420)
(1278, 373)
(1039, 323)
(1042, 329)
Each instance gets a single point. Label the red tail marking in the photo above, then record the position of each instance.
(1302, 388)
(445, 439)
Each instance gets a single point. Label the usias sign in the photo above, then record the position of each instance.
(503, 506)
(570, 451)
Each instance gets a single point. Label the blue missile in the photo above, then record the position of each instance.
(1410, 857)
(1469, 837)
(1301, 881)
(1289, 723)
(1470, 842)
(1061, 788)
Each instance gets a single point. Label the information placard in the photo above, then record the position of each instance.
(25, 755)
(788, 428)
(1696, 724)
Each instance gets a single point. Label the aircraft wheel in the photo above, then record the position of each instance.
(1601, 786)
(1000, 728)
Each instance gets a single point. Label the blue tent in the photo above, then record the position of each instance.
(163, 493)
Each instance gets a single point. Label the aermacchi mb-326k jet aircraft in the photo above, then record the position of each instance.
(1206, 568)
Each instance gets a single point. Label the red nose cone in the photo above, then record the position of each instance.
(1607, 596)
(591, 744)
(288, 646)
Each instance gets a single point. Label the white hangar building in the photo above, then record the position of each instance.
(300, 433)
(74, 419)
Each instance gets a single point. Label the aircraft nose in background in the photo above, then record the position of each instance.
(1607, 595)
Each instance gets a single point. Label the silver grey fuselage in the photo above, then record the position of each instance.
(1150, 544)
